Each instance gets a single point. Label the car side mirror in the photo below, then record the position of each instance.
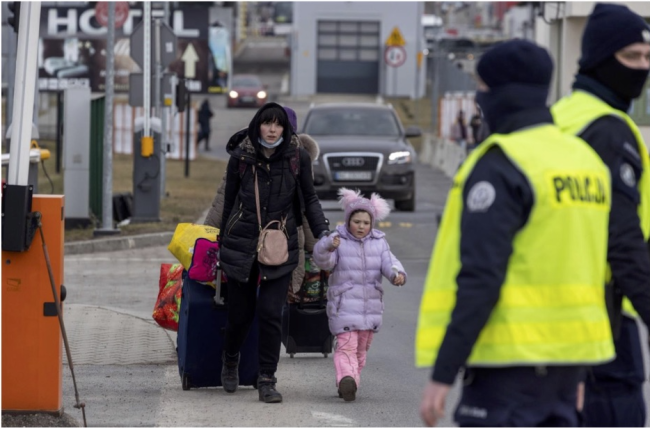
(412, 132)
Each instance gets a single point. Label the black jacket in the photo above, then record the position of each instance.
(283, 187)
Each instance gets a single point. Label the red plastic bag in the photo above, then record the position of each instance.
(168, 304)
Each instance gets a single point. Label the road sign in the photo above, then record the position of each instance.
(136, 96)
(167, 45)
(190, 58)
(121, 13)
(395, 38)
(395, 56)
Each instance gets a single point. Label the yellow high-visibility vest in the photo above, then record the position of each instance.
(551, 309)
(574, 114)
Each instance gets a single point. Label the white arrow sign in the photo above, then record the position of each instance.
(190, 57)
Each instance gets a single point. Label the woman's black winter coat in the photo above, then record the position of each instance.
(279, 189)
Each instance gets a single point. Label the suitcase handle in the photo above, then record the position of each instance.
(218, 300)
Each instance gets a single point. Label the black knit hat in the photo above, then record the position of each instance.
(610, 28)
(515, 61)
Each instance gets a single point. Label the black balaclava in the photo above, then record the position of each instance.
(518, 74)
(610, 28)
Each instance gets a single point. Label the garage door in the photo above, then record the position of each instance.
(348, 57)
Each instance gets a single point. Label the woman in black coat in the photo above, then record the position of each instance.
(285, 189)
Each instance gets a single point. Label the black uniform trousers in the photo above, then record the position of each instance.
(244, 301)
(614, 391)
(519, 397)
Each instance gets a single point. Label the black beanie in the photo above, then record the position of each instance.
(610, 28)
(515, 61)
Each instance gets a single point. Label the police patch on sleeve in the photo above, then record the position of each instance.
(627, 175)
(481, 197)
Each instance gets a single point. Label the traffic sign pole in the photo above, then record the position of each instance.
(159, 113)
(147, 69)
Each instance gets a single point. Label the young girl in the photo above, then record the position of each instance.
(358, 255)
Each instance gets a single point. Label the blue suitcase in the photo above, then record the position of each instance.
(201, 329)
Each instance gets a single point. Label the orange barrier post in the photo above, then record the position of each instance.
(32, 364)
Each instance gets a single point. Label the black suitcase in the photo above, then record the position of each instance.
(305, 326)
(201, 329)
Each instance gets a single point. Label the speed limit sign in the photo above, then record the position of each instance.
(395, 56)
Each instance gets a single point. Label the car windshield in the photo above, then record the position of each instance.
(343, 121)
(245, 82)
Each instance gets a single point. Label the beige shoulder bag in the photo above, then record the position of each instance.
(272, 247)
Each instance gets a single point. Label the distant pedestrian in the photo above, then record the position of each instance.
(514, 293)
(475, 123)
(459, 130)
(205, 114)
(358, 256)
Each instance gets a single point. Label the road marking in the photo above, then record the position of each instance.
(332, 419)
(406, 224)
(385, 224)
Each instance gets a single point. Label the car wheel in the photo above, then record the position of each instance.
(406, 204)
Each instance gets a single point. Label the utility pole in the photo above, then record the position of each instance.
(159, 113)
(107, 176)
(163, 116)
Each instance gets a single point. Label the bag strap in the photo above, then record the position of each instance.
(257, 199)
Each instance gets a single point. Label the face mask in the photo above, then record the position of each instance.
(625, 82)
(270, 145)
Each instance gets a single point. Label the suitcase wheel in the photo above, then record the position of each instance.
(291, 355)
(325, 354)
(185, 381)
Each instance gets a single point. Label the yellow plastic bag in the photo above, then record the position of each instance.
(185, 235)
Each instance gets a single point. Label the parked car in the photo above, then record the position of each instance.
(363, 146)
(246, 90)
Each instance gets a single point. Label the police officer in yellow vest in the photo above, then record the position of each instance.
(613, 70)
(514, 291)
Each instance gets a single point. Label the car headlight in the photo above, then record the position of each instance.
(397, 158)
(233, 94)
(261, 94)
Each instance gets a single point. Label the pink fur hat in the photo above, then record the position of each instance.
(352, 201)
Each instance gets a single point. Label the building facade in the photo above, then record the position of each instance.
(341, 47)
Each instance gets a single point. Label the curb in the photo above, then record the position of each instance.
(118, 244)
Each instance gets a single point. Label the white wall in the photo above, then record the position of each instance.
(405, 15)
